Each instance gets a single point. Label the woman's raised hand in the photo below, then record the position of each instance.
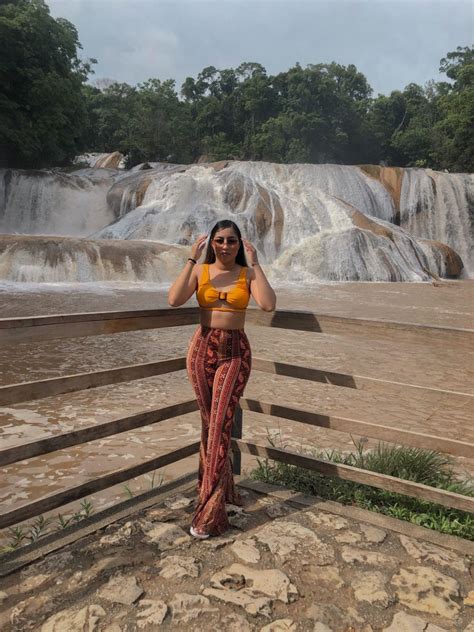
(198, 247)
(250, 252)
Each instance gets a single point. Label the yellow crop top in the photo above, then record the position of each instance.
(237, 298)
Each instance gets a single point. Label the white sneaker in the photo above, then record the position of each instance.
(195, 534)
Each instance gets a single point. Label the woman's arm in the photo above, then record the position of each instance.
(185, 285)
(260, 288)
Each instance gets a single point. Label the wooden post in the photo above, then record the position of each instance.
(237, 434)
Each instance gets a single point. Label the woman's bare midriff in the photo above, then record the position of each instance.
(222, 320)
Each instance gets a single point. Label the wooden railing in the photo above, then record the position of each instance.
(15, 330)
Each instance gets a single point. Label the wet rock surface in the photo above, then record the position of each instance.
(281, 568)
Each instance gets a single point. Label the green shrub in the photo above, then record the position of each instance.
(414, 464)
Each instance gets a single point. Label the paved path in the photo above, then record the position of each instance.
(289, 563)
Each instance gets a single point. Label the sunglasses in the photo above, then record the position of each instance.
(231, 241)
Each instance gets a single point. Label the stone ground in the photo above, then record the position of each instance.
(284, 566)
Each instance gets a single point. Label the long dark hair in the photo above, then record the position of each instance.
(211, 255)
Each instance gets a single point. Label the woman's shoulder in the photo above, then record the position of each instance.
(198, 269)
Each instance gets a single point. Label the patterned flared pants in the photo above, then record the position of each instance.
(218, 364)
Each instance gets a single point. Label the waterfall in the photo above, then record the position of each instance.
(308, 222)
(435, 205)
(54, 203)
(33, 259)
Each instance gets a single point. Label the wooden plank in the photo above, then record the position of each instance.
(357, 475)
(97, 323)
(39, 328)
(27, 391)
(58, 499)
(327, 323)
(237, 433)
(344, 379)
(91, 433)
(77, 317)
(361, 428)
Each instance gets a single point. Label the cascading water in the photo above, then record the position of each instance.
(65, 259)
(435, 205)
(309, 222)
(54, 203)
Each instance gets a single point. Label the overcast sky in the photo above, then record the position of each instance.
(393, 42)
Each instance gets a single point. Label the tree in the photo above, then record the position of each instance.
(42, 113)
(453, 134)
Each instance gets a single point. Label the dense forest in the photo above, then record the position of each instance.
(50, 111)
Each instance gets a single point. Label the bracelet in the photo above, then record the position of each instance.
(191, 259)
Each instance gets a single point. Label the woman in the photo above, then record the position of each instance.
(219, 357)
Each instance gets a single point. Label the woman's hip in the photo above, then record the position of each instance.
(214, 345)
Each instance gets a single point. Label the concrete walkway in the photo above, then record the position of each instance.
(290, 563)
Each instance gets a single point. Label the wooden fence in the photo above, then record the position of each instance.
(15, 330)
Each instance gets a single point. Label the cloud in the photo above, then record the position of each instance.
(393, 42)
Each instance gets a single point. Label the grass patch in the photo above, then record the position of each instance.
(30, 532)
(412, 464)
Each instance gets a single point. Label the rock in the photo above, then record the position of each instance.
(185, 607)
(370, 587)
(253, 605)
(160, 514)
(330, 520)
(427, 590)
(280, 625)
(237, 516)
(403, 622)
(3, 596)
(178, 502)
(283, 538)
(145, 525)
(272, 582)
(109, 161)
(469, 627)
(276, 510)
(334, 618)
(246, 551)
(121, 535)
(452, 261)
(426, 552)
(113, 627)
(327, 577)
(352, 555)
(469, 600)
(321, 627)
(30, 583)
(151, 612)
(28, 610)
(348, 537)
(86, 576)
(245, 586)
(217, 543)
(235, 623)
(167, 536)
(176, 566)
(121, 589)
(372, 534)
(84, 620)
